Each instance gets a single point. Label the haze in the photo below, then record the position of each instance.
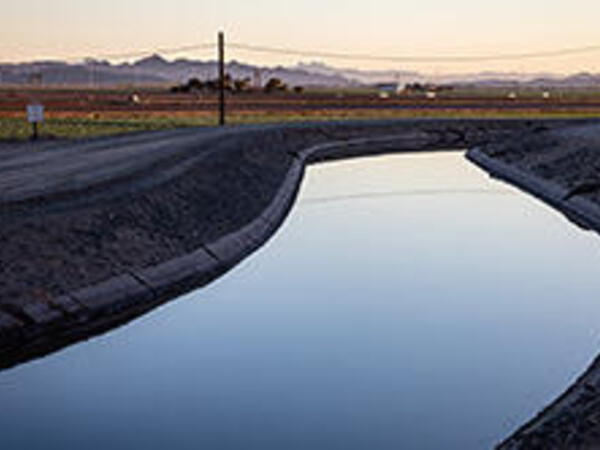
(72, 28)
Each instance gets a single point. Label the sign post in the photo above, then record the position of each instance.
(35, 116)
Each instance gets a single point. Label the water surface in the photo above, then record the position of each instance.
(408, 302)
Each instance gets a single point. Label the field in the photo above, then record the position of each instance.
(72, 113)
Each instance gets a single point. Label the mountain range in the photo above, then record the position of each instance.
(155, 70)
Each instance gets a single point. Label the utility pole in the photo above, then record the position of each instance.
(221, 79)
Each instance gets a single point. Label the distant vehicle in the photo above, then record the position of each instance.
(135, 99)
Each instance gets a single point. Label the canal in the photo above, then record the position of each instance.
(408, 302)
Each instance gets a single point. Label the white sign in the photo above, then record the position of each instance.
(35, 113)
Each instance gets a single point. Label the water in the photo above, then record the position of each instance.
(408, 302)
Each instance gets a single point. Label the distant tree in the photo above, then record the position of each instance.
(299, 89)
(197, 85)
(194, 84)
(227, 82)
(242, 85)
(180, 89)
(275, 85)
(415, 87)
(212, 85)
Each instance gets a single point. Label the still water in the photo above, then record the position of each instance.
(408, 302)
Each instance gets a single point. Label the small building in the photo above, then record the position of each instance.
(386, 90)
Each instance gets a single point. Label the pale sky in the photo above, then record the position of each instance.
(55, 29)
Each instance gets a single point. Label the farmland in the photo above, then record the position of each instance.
(82, 112)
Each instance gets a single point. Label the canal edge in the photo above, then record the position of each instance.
(585, 214)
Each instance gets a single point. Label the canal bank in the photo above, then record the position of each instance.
(561, 168)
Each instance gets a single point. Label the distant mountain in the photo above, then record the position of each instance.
(484, 78)
(63, 74)
(157, 70)
(577, 80)
(362, 76)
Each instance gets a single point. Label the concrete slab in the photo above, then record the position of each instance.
(258, 231)
(284, 196)
(180, 274)
(67, 304)
(41, 313)
(114, 295)
(584, 210)
(232, 248)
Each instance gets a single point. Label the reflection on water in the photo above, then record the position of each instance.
(409, 192)
(380, 321)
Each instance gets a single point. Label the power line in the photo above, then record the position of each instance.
(409, 58)
(347, 56)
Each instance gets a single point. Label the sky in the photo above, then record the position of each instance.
(59, 29)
